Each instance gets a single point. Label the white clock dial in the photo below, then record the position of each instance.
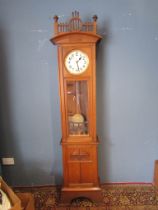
(76, 62)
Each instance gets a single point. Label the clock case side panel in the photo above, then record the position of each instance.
(61, 93)
(94, 93)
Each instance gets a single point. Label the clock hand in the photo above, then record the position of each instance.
(77, 66)
(77, 63)
(78, 60)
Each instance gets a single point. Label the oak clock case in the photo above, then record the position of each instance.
(76, 44)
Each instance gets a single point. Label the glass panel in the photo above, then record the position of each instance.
(77, 103)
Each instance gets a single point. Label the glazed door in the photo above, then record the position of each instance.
(77, 103)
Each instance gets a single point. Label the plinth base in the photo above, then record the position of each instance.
(93, 194)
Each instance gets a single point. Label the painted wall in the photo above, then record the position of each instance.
(127, 87)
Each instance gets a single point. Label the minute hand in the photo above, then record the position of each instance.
(77, 63)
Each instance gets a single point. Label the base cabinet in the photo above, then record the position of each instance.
(80, 172)
(80, 165)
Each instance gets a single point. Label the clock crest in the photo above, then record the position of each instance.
(76, 42)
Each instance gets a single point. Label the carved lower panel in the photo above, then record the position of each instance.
(79, 155)
(80, 165)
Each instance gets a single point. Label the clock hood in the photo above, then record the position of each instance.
(75, 37)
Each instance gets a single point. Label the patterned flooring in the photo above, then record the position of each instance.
(115, 197)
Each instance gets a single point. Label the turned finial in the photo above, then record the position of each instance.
(95, 17)
(56, 18)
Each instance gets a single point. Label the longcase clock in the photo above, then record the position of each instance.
(76, 44)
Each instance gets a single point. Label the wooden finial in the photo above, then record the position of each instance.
(95, 17)
(56, 24)
(95, 23)
(56, 18)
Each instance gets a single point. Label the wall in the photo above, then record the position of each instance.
(127, 86)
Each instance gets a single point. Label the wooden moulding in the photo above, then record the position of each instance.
(15, 201)
(93, 194)
(155, 181)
